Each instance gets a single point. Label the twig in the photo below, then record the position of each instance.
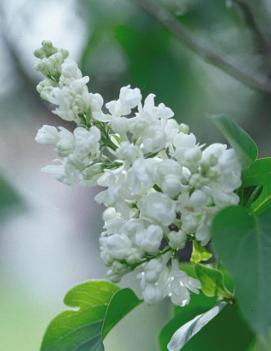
(207, 54)
(249, 18)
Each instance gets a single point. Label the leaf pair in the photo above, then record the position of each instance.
(97, 307)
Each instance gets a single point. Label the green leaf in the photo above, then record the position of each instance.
(243, 243)
(197, 305)
(263, 202)
(228, 281)
(194, 326)
(259, 173)
(239, 139)
(97, 307)
(212, 282)
(188, 268)
(225, 332)
(263, 343)
(199, 253)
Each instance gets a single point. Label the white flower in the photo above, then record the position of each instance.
(56, 170)
(96, 103)
(154, 140)
(222, 166)
(184, 141)
(186, 149)
(160, 184)
(128, 99)
(117, 270)
(171, 129)
(158, 281)
(203, 231)
(112, 180)
(51, 60)
(190, 220)
(47, 135)
(152, 270)
(158, 207)
(63, 85)
(128, 152)
(91, 174)
(141, 177)
(177, 240)
(169, 174)
(109, 214)
(138, 126)
(72, 100)
(135, 255)
(178, 294)
(87, 141)
(149, 240)
(171, 185)
(152, 294)
(113, 221)
(169, 166)
(156, 112)
(65, 144)
(45, 88)
(59, 172)
(120, 125)
(199, 199)
(116, 245)
(154, 279)
(223, 199)
(179, 284)
(184, 128)
(69, 72)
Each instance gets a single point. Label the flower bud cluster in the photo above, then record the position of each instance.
(161, 187)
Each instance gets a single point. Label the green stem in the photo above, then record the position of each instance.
(255, 193)
(249, 18)
(147, 259)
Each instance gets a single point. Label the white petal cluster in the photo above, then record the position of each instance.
(77, 152)
(65, 87)
(161, 187)
(158, 281)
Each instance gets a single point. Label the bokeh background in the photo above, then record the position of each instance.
(48, 231)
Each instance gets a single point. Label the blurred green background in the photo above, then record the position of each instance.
(48, 231)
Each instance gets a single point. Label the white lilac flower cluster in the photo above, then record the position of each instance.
(161, 187)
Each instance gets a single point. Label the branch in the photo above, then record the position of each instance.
(207, 54)
(249, 18)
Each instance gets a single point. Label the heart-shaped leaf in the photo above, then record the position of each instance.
(243, 243)
(96, 307)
